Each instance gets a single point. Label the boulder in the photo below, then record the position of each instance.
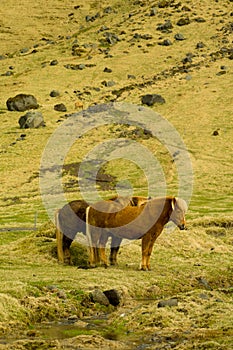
(151, 99)
(114, 296)
(60, 107)
(21, 103)
(32, 119)
(97, 296)
(183, 21)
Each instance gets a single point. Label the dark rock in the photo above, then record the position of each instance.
(165, 27)
(111, 38)
(92, 18)
(89, 18)
(24, 50)
(203, 282)
(215, 133)
(108, 83)
(107, 70)
(164, 3)
(200, 45)
(146, 36)
(200, 20)
(53, 62)
(60, 107)
(151, 99)
(185, 8)
(81, 66)
(97, 296)
(54, 93)
(221, 72)
(114, 296)
(165, 42)
(153, 11)
(32, 119)
(108, 9)
(169, 302)
(22, 102)
(187, 59)
(7, 74)
(183, 21)
(103, 28)
(131, 76)
(179, 36)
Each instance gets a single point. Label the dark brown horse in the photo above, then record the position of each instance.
(71, 218)
(144, 222)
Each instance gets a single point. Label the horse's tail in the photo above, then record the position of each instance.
(59, 237)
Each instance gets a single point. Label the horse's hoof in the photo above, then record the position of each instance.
(143, 268)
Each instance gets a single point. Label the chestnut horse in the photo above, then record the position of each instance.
(71, 218)
(144, 222)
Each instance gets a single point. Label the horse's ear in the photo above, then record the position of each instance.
(173, 202)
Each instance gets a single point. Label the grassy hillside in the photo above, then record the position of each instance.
(67, 46)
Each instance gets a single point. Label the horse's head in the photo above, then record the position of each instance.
(179, 208)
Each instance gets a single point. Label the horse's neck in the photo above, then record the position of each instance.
(162, 208)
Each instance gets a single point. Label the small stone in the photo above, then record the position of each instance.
(200, 20)
(188, 77)
(215, 133)
(166, 27)
(169, 302)
(108, 83)
(151, 99)
(81, 66)
(32, 119)
(153, 11)
(179, 36)
(97, 296)
(108, 9)
(200, 45)
(24, 50)
(7, 74)
(114, 296)
(107, 70)
(202, 281)
(60, 107)
(61, 294)
(183, 21)
(222, 72)
(166, 42)
(131, 76)
(54, 93)
(53, 62)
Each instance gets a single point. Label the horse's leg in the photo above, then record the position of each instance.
(102, 247)
(94, 257)
(115, 246)
(66, 243)
(92, 240)
(59, 238)
(147, 246)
